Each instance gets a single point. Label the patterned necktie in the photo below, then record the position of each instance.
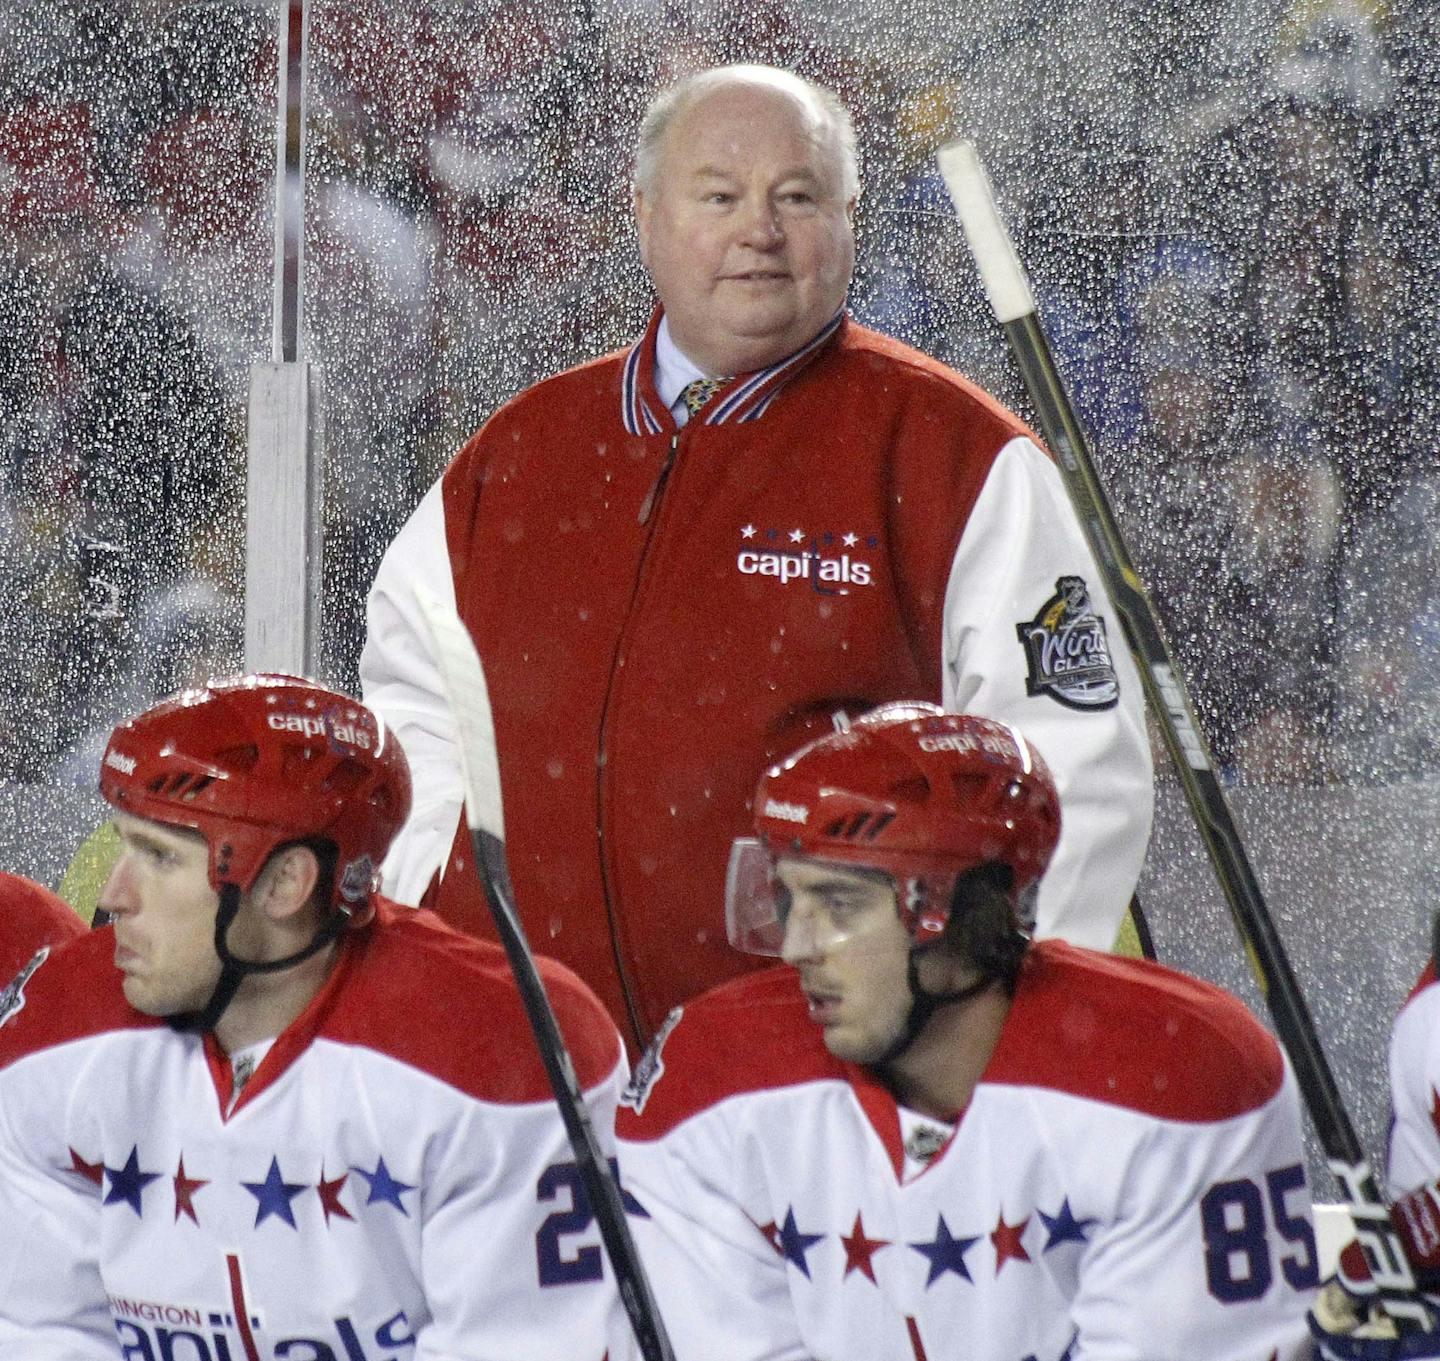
(696, 394)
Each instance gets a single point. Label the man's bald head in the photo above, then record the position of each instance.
(829, 117)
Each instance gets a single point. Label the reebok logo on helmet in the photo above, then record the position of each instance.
(786, 812)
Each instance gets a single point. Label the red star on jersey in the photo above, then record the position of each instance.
(1006, 1239)
(185, 1188)
(94, 1172)
(330, 1196)
(859, 1250)
(772, 1236)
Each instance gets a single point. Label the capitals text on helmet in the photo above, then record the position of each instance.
(993, 743)
(321, 725)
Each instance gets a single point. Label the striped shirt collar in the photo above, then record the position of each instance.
(746, 397)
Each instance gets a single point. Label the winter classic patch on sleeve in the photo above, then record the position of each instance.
(1067, 650)
(12, 999)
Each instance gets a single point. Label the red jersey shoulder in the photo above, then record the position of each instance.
(446, 1003)
(751, 1034)
(31, 916)
(1132, 1033)
(70, 992)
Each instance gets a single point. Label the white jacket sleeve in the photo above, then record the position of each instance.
(1021, 539)
(400, 680)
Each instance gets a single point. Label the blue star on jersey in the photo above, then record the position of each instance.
(384, 1188)
(274, 1195)
(794, 1245)
(128, 1183)
(1064, 1227)
(945, 1253)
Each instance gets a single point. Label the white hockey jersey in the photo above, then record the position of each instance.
(392, 1184)
(1126, 1184)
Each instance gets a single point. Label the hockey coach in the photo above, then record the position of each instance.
(266, 1113)
(920, 1139)
(684, 559)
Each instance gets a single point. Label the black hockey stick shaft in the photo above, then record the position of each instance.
(600, 1187)
(463, 678)
(1014, 307)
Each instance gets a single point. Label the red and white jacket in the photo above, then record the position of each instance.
(1127, 1183)
(662, 612)
(393, 1181)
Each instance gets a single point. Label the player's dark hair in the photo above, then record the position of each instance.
(982, 924)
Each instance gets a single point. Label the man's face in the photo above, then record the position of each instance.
(844, 936)
(745, 232)
(163, 907)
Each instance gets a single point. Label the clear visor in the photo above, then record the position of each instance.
(752, 918)
(819, 904)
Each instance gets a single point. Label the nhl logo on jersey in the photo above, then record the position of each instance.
(651, 1066)
(12, 999)
(1067, 650)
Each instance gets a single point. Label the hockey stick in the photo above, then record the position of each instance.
(1008, 290)
(463, 681)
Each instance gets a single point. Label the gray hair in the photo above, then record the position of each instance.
(830, 116)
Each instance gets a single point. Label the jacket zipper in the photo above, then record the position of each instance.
(622, 970)
(653, 496)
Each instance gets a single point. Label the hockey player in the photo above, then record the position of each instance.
(1346, 1323)
(1413, 1159)
(928, 1136)
(667, 602)
(267, 1114)
(31, 918)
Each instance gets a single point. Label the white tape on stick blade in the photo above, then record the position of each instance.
(1000, 271)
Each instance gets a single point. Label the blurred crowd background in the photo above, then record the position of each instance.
(1227, 207)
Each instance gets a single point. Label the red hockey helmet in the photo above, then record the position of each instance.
(256, 763)
(922, 796)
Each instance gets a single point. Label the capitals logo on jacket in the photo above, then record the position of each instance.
(1067, 650)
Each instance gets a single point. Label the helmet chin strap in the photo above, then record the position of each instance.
(233, 969)
(923, 1005)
